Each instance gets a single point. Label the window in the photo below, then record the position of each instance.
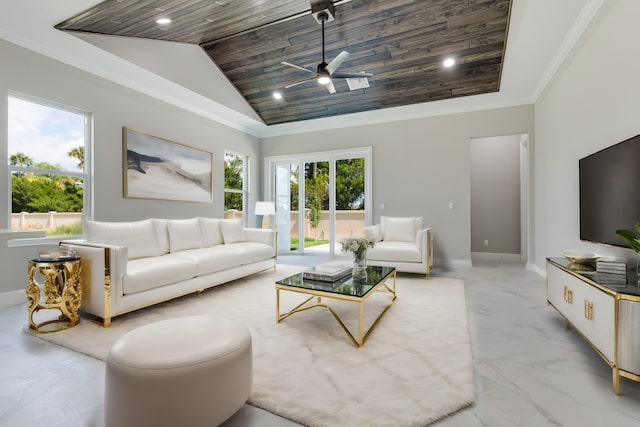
(47, 156)
(235, 185)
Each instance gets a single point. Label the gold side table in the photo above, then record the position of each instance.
(61, 288)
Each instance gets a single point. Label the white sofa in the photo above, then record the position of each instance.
(130, 265)
(401, 242)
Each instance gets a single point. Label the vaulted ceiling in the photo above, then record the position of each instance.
(402, 42)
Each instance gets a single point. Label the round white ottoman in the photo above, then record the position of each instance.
(189, 371)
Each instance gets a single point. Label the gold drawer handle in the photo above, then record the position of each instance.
(588, 310)
(568, 295)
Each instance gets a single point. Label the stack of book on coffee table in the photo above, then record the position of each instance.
(331, 271)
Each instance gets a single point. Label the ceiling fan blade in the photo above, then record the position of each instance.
(359, 75)
(335, 63)
(300, 82)
(330, 87)
(298, 67)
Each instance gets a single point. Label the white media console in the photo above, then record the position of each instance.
(605, 312)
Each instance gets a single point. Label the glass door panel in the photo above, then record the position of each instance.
(286, 200)
(350, 198)
(316, 206)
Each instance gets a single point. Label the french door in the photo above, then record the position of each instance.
(320, 198)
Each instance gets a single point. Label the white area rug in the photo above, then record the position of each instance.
(415, 368)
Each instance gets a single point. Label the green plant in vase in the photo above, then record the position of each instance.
(631, 239)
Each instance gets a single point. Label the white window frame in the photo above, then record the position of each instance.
(245, 184)
(86, 175)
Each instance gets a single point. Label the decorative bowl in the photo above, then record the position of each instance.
(577, 257)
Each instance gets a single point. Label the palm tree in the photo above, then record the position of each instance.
(78, 153)
(20, 159)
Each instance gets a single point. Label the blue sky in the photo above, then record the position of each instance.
(45, 134)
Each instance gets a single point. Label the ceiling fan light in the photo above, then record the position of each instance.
(324, 80)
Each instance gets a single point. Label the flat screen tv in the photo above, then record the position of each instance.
(610, 192)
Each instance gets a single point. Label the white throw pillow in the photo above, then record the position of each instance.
(373, 232)
(211, 233)
(138, 236)
(184, 234)
(399, 229)
(232, 230)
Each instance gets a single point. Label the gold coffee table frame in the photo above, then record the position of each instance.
(61, 291)
(318, 294)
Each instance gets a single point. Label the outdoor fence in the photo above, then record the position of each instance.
(43, 221)
(349, 223)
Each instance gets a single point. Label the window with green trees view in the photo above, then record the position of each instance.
(235, 185)
(46, 155)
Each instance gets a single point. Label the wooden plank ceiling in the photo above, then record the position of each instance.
(402, 42)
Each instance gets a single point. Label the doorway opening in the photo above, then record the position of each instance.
(500, 198)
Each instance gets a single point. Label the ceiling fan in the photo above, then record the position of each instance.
(326, 72)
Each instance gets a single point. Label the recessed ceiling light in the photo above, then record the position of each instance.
(277, 95)
(163, 21)
(449, 62)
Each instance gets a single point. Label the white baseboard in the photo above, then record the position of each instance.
(488, 256)
(540, 271)
(11, 298)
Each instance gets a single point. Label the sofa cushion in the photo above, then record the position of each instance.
(212, 259)
(394, 252)
(232, 230)
(184, 234)
(160, 225)
(148, 273)
(399, 229)
(252, 252)
(211, 234)
(138, 236)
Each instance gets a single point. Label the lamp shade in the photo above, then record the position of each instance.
(265, 208)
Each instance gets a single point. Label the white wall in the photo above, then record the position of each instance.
(591, 103)
(495, 194)
(419, 166)
(113, 107)
(169, 60)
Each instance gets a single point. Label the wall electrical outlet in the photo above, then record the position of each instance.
(450, 205)
(486, 243)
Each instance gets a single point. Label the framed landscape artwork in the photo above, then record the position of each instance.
(156, 168)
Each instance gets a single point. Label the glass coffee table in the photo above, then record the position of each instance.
(345, 289)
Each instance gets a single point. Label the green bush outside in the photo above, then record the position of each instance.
(62, 230)
(308, 242)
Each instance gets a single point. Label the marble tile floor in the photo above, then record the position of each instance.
(530, 370)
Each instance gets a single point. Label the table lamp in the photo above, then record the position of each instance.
(265, 209)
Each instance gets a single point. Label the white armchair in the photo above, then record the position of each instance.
(401, 242)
